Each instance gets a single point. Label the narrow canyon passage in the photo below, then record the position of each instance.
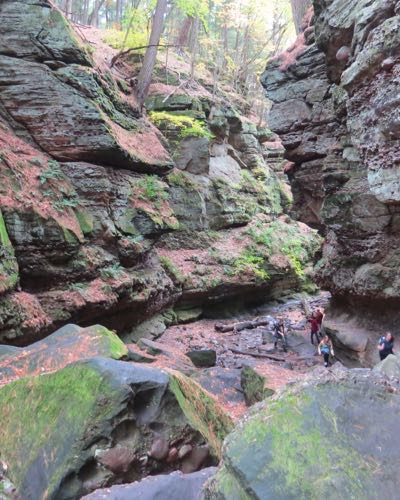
(199, 248)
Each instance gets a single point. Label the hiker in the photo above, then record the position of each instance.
(319, 316)
(279, 333)
(314, 328)
(325, 348)
(385, 345)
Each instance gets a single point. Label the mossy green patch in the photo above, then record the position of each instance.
(4, 238)
(112, 345)
(279, 237)
(172, 271)
(225, 484)
(186, 126)
(254, 386)
(69, 236)
(34, 411)
(202, 410)
(295, 447)
(86, 221)
(9, 272)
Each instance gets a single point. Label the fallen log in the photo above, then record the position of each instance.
(255, 354)
(243, 325)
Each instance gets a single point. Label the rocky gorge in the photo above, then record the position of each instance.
(131, 243)
(335, 107)
(95, 219)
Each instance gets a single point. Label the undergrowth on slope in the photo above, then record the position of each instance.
(186, 125)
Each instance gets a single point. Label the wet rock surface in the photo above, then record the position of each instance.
(319, 437)
(168, 487)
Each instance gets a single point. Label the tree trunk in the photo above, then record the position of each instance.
(183, 36)
(94, 16)
(146, 71)
(193, 45)
(68, 8)
(85, 13)
(299, 8)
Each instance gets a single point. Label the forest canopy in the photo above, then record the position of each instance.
(230, 40)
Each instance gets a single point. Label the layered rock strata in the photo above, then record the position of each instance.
(335, 106)
(95, 224)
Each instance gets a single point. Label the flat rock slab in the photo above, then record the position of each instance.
(175, 486)
(66, 345)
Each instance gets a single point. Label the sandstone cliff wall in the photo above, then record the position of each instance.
(336, 108)
(96, 224)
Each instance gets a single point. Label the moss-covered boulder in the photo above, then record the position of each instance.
(201, 409)
(322, 438)
(254, 386)
(98, 422)
(70, 343)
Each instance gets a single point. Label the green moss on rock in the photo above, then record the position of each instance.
(37, 412)
(201, 409)
(320, 439)
(254, 386)
(86, 221)
(9, 272)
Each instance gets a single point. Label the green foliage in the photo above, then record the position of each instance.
(112, 272)
(53, 172)
(136, 20)
(77, 287)
(172, 271)
(180, 179)
(64, 203)
(186, 125)
(194, 8)
(250, 263)
(153, 189)
(287, 239)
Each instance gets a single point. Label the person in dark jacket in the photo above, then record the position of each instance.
(385, 345)
(280, 334)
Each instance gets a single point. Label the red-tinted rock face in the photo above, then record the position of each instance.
(340, 128)
(88, 233)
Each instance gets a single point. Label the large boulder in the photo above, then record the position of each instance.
(167, 487)
(101, 421)
(390, 366)
(320, 438)
(68, 344)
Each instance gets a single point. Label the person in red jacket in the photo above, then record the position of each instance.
(314, 329)
(319, 316)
